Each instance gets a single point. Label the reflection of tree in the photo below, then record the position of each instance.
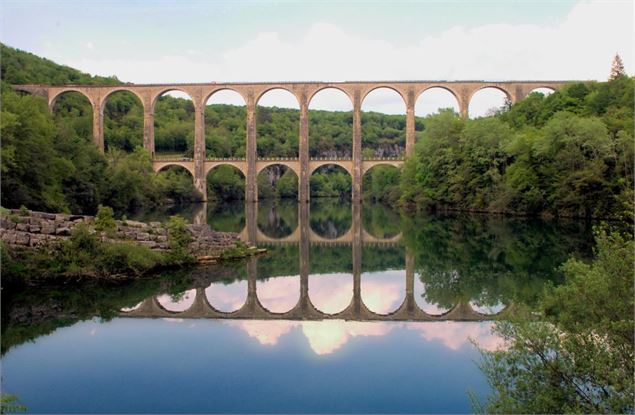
(331, 217)
(380, 220)
(278, 218)
(226, 216)
(490, 260)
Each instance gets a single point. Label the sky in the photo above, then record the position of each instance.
(202, 41)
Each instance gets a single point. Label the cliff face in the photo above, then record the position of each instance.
(38, 229)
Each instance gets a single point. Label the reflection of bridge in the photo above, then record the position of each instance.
(409, 91)
(253, 235)
(304, 309)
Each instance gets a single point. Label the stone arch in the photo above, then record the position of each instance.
(176, 137)
(276, 171)
(114, 90)
(72, 109)
(282, 139)
(380, 181)
(158, 94)
(320, 187)
(340, 142)
(273, 88)
(322, 88)
(387, 137)
(508, 96)
(57, 94)
(139, 129)
(225, 128)
(384, 86)
(432, 89)
(222, 184)
(314, 165)
(538, 88)
(161, 166)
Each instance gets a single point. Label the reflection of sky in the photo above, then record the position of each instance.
(227, 298)
(183, 301)
(487, 309)
(419, 292)
(383, 292)
(331, 293)
(152, 365)
(279, 294)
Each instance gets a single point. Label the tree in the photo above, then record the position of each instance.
(617, 68)
(578, 358)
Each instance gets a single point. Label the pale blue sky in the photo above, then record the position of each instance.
(201, 41)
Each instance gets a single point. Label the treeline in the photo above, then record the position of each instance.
(567, 154)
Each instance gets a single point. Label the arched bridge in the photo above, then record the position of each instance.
(409, 91)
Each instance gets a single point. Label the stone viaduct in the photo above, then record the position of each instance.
(303, 166)
(304, 309)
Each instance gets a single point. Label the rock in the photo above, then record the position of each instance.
(135, 224)
(63, 231)
(143, 236)
(22, 227)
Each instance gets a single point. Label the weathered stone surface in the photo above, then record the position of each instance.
(63, 231)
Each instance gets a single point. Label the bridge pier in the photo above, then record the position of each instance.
(357, 147)
(98, 126)
(303, 179)
(251, 186)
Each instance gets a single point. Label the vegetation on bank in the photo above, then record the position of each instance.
(577, 356)
(86, 255)
(567, 154)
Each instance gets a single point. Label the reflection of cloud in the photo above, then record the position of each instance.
(172, 320)
(128, 309)
(383, 292)
(487, 309)
(331, 293)
(227, 298)
(279, 294)
(185, 301)
(456, 334)
(267, 332)
(327, 336)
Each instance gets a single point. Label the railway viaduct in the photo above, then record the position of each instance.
(303, 166)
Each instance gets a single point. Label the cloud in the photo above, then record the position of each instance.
(579, 47)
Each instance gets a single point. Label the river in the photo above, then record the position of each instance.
(353, 309)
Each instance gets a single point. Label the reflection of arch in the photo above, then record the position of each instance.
(187, 165)
(110, 92)
(218, 286)
(293, 235)
(53, 99)
(224, 89)
(265, 91)
(164, 91)
(384, 86)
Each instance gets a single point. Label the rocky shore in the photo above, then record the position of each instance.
(30, 229)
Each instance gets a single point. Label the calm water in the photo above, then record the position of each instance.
(330, 320)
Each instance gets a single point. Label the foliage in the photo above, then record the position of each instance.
(105, 220)
(179, 238)
(10, 404)
(579, 356)
(568, 154)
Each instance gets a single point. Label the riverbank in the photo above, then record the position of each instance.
(39, 245)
